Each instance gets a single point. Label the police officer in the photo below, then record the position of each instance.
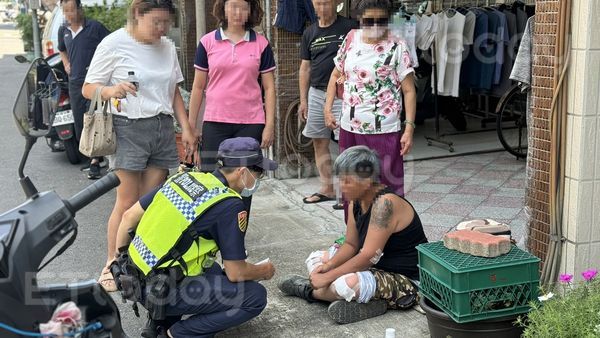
(205, 211)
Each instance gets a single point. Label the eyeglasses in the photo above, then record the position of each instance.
(374, 21)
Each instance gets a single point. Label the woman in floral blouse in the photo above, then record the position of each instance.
(376, 72)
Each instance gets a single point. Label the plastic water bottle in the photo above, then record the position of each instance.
(133, 79)
(132, 104)
(390, 333)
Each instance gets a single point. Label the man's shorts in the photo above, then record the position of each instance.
(315, 124)
(396, 289)
(143, 143)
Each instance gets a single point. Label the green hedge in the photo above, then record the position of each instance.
(25, 27)
(112, 16)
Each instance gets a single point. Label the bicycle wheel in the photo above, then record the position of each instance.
(511, 121)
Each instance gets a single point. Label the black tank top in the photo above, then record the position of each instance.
(399, 253)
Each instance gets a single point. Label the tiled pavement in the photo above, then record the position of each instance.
(448, 191)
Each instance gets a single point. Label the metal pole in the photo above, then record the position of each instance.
(37, 45)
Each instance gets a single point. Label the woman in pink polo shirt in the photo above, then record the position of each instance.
(229, 63)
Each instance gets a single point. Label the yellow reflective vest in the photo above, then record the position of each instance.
(181, 200)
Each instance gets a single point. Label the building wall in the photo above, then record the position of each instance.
(581, 225)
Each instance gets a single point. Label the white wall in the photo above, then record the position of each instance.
(581, 222)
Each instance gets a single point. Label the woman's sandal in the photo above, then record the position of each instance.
(320, 198)
(107, 281)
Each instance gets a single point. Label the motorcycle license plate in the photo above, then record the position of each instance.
(63, 117)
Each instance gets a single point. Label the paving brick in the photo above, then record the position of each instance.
(437, 220)
(505, 202)
(511, 192)
(445, 180)
(477, 243)
(494, 183)
(451, 209)
(421, 196)
(473, 200)
(473, 190)
(494, 212)
(438, 188)
(464, 173)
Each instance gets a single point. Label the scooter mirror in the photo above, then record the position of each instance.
(21, 59)
(37, 100)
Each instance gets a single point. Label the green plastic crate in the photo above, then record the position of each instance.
(470, 288)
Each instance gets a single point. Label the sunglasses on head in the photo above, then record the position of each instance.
(374, 21)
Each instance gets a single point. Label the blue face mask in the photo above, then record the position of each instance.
(247, 192)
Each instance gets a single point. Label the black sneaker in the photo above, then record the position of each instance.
(297, 286)
(343, 312)
(94, 172)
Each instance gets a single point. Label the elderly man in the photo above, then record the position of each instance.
(375, 267)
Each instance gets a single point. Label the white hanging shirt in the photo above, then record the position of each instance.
(449, 51)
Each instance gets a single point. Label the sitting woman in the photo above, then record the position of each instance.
(375, 267)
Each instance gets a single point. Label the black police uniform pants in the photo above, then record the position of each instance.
(214, 303)
(213, 133)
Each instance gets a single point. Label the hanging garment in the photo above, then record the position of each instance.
(510, 53)
(292, 15)
(404, 29)
(449, 45)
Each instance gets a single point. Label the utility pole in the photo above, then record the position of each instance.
(37, 45)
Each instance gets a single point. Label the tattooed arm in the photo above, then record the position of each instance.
(381, 226)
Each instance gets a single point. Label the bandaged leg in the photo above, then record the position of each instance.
(358, 286)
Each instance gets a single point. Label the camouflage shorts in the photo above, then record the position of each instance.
(396, 289)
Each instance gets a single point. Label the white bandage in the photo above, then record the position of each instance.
(314, 259)
(342, 288)
(375, 259)
(367, 286)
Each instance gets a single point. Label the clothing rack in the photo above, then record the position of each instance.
(438, 138)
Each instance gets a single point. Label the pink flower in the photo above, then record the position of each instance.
(384, 71)
(565, 278)
(385, 95)
(379, 48)
(355, 123)
(354, 100)
(387, 111)
(589, 274)
(364, 76)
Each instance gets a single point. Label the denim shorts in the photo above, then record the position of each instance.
(144, 143)
(315, 123)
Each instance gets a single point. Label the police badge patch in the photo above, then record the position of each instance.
(243, 220)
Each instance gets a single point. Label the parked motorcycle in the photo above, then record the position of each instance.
(29, 232)
(49, 84)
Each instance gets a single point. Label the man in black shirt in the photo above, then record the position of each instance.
(374, 269)
(320, 44)
(77, 42)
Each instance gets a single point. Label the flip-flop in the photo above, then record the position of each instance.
(107, 281)
(338, 206)
(322, 198)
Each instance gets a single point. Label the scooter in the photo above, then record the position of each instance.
(51, 82)
(28, 233)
